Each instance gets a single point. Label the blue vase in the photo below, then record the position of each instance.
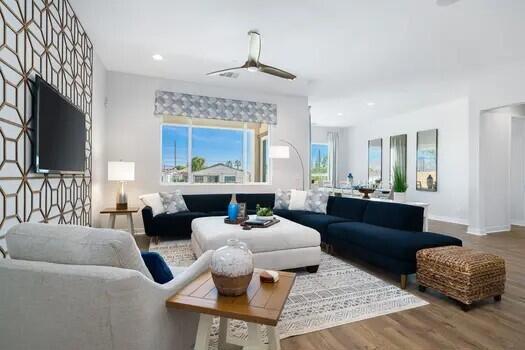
(233, 208)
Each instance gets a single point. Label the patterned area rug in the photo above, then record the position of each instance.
(338, 293)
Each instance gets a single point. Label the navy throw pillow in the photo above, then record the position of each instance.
(157, 267)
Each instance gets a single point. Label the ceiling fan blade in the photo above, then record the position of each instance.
(218, 72)
(255, 46)
(275, 71)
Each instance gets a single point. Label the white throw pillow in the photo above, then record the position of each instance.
(75, 245)
(153, 201)
(297, 200)
(173, 202)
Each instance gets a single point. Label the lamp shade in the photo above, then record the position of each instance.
(279, 152)
(121, 171)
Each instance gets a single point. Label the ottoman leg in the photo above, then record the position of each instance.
(466, 307)
(312, 269)
(403, 283)
(497, 298)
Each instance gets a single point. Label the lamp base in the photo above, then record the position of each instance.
(122, 206)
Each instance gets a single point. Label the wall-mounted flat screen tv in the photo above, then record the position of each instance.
(60, 132)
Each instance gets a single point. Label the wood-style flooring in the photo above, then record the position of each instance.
(441, 324)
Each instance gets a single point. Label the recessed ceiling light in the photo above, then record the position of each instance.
(371, 104)
(444, 3)
(157, 57)
(339, 114)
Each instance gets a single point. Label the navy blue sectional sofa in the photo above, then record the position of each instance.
(384, 234)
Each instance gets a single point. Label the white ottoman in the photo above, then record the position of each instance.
(285, 245)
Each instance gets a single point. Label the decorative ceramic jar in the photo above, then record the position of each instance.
(232, 268)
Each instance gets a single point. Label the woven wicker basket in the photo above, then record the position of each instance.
(461, 273)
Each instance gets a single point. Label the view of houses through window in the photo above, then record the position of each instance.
(214, 151)
(319, 163)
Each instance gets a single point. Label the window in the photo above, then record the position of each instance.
(214, 151)
(319, 163)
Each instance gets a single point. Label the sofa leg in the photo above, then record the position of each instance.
(312, 269)
(155, 239)
(404, 281)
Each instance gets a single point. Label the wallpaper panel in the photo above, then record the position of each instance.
(41, 37)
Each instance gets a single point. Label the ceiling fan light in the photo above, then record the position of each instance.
(252, 69)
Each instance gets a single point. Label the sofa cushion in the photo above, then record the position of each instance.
(153, 201)
(217, 213)
(75, 245)
(292, 214)
(319, 222)
(348, 208)
(173, 202)
(297, 200)
(316, 201)
(399, 244)
(394, 215)
(252, 199)
(178, 224)
(282, 199)
(207, 202)
(158, 268)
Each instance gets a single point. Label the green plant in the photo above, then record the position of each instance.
(400, 180)
(261, 211)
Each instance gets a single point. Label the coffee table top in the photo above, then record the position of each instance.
(262, 303)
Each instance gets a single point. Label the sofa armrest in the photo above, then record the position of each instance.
(195, 270)
(147, 218)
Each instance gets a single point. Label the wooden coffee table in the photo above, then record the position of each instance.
(261, 305)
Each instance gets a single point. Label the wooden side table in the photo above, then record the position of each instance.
(113, 212)
(261, 305)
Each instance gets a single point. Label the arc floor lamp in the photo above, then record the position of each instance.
(283, 152)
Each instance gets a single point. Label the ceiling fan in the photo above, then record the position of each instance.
(253, 64)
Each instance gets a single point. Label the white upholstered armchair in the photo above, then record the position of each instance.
(72, 287)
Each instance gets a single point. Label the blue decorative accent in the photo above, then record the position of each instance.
(233, 210)
(157, 267)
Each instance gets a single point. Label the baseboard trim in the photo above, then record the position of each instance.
(518, 223)
(449, 219)
(488, 230)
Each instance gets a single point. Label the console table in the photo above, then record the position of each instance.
(113, 212)
(261, 305)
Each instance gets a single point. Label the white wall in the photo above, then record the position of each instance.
(500, 86)
(98, 138)
(320, 135)
(495, 131)
(132, 133)
(517, 172)
(450, 203)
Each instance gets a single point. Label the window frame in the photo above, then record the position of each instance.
(328, 175)
(245, 129)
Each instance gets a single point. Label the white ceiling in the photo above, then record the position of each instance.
(400, 54)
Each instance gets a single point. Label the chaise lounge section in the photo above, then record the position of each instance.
(384, 234)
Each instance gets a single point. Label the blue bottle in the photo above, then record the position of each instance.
(233, 208)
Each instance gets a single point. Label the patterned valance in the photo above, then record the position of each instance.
(194, 106)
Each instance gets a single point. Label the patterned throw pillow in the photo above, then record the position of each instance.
(173, 202)
(316, 201)
(282, 199)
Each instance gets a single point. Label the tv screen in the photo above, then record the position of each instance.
(60, 132)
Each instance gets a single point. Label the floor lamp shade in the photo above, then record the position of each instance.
(122, 172)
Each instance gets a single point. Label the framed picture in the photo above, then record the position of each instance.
(426, 160)
(242, 211)
(375, 161)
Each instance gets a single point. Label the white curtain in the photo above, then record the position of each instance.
(333, 144)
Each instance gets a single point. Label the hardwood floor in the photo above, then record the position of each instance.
(442, 324)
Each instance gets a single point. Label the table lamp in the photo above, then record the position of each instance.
(122, 172)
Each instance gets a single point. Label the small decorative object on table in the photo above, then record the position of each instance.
(400, 184)
(241, 215)
(232, 268)
(269, 276)
(263, 213)
(366, 191)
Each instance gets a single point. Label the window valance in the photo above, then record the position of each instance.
(195, 106)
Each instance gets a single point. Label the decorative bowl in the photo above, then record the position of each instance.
(366, 192)
(232, 268)
(264, 218)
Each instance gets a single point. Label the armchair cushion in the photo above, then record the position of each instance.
(158, 268)
(75, 245)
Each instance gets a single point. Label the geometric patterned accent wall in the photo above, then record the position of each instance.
(41, 37)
